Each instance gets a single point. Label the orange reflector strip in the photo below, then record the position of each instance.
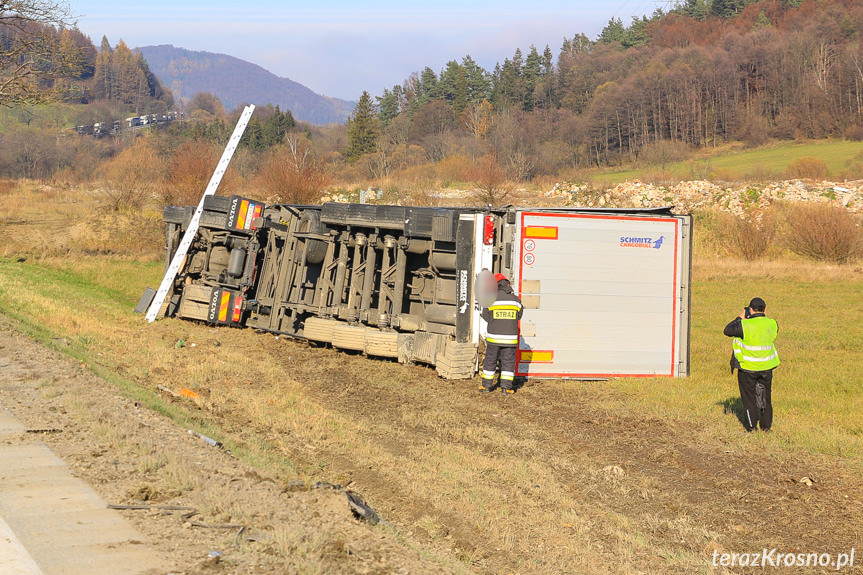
(535, 356)
(223, 306)
(241, 218)
(540, 232)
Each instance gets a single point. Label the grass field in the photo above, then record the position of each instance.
(529, 487)
(818, 399)
(769, 162)
(272, 411)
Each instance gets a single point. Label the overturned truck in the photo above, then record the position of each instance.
(606, 292)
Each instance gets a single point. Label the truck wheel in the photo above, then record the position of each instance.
(213, 220)
(310, 222)
(174, 215)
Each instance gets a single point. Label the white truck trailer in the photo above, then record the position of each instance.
(606, 291)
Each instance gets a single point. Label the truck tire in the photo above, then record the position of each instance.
(381, 343)
(310, 222)
(213, 220)
(174, 215)
(217, 204)
(319, 329)
(350, 337)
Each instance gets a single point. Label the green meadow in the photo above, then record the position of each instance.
(843, 159)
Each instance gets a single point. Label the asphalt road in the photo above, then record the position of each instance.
(52, 523)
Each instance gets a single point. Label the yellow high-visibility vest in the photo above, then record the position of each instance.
(756, 351)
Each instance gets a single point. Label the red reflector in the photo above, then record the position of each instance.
(488, 231)
(258, 210)
(238, 304)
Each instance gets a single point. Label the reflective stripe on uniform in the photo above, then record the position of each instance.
(505, 304)
(756, 347)
(487, 374)
(507, 375)
(502, 339)
(757, 359)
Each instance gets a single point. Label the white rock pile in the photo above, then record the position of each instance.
(686, 197)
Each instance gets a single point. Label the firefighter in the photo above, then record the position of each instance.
(502, 337)
(755, 357)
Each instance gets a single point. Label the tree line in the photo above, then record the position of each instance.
(45, 58)
(705, 73)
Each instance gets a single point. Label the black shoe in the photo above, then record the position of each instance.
(484, 389)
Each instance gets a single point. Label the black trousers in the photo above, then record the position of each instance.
(507, 356)
(755, 411)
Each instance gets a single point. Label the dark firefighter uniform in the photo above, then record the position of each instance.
(755, 358)
(502, 336)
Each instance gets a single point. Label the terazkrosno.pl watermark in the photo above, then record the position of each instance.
(776, 558)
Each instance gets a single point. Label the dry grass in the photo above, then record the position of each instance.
(474, 472)
(823, 232)
(481, 479)
(749, 238)
(44, 220)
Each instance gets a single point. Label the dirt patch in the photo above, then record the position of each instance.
(638, 485)
(202, 509)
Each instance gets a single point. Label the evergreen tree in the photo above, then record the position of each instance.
(363, 128)
(614, 31)
(727, 8)
(547, 62)
(508, 89)
(273, 127)
(636, 34)
(697, 9)
(531, 74)
(389, 105)
(429, 88)
(454, 86)
(478, 81)
(253, 136)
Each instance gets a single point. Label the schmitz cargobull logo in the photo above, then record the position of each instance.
(631, 242)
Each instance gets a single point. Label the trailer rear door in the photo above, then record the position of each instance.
(605, 295)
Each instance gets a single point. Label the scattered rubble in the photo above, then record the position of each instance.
(686, 197)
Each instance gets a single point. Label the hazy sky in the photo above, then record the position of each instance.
(340, 48)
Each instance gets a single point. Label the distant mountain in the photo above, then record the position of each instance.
(237, 82)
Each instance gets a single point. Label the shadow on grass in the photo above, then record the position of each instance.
(734, 405)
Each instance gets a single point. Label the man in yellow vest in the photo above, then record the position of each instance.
(755, 358)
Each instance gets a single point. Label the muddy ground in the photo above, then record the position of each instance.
(656, 474)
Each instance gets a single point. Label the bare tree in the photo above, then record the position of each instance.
(33, 55)
(292, 172)
(477, 118)
(490, 181)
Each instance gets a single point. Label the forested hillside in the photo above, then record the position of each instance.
(42, 62)
(704, 74)
(238, 82)
(662, 89)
